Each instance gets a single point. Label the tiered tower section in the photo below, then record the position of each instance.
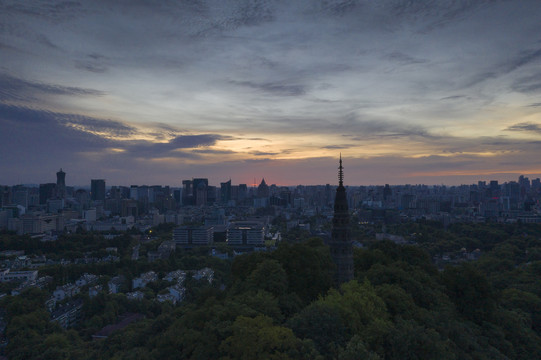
(341, 247)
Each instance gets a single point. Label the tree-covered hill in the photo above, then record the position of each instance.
(282, 305)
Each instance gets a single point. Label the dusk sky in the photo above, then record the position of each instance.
(153, 92)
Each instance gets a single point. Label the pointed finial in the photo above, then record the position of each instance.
(340, 173)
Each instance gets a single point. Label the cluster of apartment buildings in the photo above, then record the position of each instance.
(55, 207)
(508, 202)
(66, 308)
(240, 234)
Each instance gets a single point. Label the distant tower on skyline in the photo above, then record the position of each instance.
(263, 189)
(341, 247)
(97, 189)
(61, 184)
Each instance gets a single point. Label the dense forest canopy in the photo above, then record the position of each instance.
(283, 305)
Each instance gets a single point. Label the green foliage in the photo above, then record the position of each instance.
(356, 349)
(243, 265)
(270, 276)
(526, 303)
(261, 301)
(470, 291)
(258, 338)
(322, 324)
(308, 266)
(358, 305)
(281, 304)
(409, 340)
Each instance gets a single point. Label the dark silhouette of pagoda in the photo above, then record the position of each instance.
(341, 247)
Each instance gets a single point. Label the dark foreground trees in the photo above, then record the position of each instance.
(282, 305)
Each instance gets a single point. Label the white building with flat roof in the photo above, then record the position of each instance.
(6, 275)
(246, 234)
(191, 236)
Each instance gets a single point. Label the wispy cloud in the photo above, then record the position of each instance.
(264, 153)
(526, 126)
(337, 147)
(50, 130)
(121, 84)
(275, 88)
(404, 59)
(12, 88)
(530, 84)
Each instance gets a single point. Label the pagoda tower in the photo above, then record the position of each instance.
(341, 246)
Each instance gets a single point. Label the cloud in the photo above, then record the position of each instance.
(404, 59)
(84, 133)
(105, 127)
(337, 147)
(258, 161)
(12, 88)
(174, 148)
(339, 7)
(523, 58)
(258, 139)
(263, 153)
(180, 75)
(38, 141)
(53, 12)
(526, 126)
(74, 127)
(454, 97)
(434, 15)
(360, 129)
(530, 84)
(274, 88)
(88, 66)
(214, 151)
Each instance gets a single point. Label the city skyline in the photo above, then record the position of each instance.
(253, 184)
(427, 92)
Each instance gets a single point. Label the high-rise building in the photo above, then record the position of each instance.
(225, 191)
(187, 192)
(200, 186)
(242, 192)
(341, 246)
(20, 196)
(494, 189)
(61, 184)
(97, 189)
(46, 192)
(263, 189)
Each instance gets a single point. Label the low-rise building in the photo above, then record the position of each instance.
(166, 297)
(144, 279)
(246, 234)
(177, 291)
(124, 320)
(66, 291)
(86, 279)
(94, 290)
(205, 273)
(68, 315)
(177, 276)
(115, 284)
(193, 236)
(6, 275)
(135, 295)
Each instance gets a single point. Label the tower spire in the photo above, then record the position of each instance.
(340, 243)
(340, 173)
